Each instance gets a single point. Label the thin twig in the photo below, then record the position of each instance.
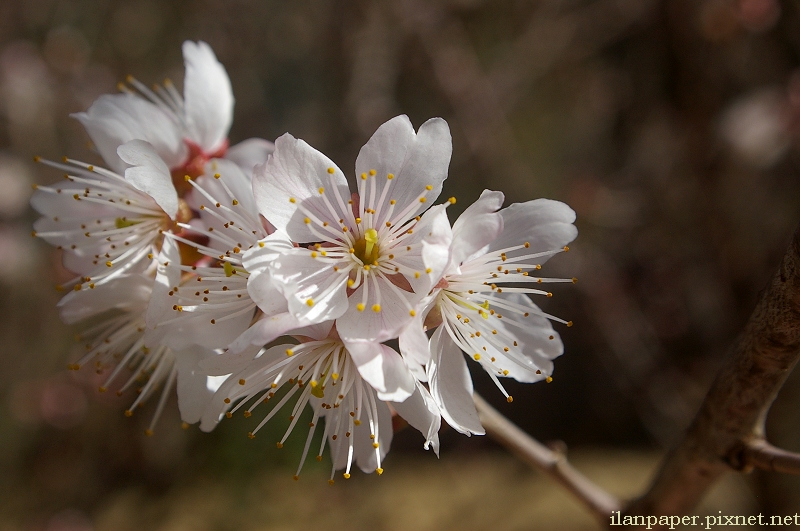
(736, 406)
(554, 464)
(760, 454)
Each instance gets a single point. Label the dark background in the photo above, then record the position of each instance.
(671, 127)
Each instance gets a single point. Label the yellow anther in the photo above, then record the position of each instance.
(321, 190)
(149, 433)
(313, 254)
(505, 373)
(247, 414)
(372, 172)
(360, 307)
(509, 399)
(128, 413)
(313, 383)
(357, 422)
(335, 376)
(350, 282)
(346, 475)
(392, 202)
(390, 176)
(363, 176)
(452, 200)
(422, 199)
(358, 220)
(566, 249)
(109, 264)
(548, 379)
(310, 302)
(376, 308)
(227, 400)
(241, 381)
(279, 445)
(574, 280)
(428, 270)
(331, 170)
(235, 202)
(549, 294)
(330, 482)
(412, 313)
(289, 352)
(307, 221)
(251, 435)
(292, 200)
(102, 390)
(477, 357)
(261, 244)
(416, 274)
(375, 445)
(569, 323)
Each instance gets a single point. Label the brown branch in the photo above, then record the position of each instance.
(554, 464)
(760, 454)
(736, 406)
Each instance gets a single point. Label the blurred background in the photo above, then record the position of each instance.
(671, 127)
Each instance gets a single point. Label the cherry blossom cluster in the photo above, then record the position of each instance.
(253, 278)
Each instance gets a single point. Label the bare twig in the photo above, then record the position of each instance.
(760, 454)
(736, 406)
(554, 464)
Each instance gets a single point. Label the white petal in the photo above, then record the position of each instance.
(235, 179)
(115, 119)
(430, 249)
(414, 343)
(544, 223)
(229, 362)
(128, 293)
(249, 153)
(208, 98)
(168, 276)
(265, 330)
(369, 324)
(194, 394)
(416, 161)
(451, 385)
(314, 290)
(296, 171)
(260, 257)
(149, 174)
(477, 227)
(421, 412)
(383, 368)
(535, 350)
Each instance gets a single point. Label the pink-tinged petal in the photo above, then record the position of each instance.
(265, 294)
(129, 293)
(266, 330)
(115, 119)
(149, 174)
(544, 223)
(421, 412)
(316, 331)
(371, 325)
(477, 227)
(249, 153)
(195, 388)
(383, 368)
(315, 291)
(208, 98)
(287, 188)
(416, 160)
(451, 385)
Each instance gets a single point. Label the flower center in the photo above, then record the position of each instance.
(367, 249)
